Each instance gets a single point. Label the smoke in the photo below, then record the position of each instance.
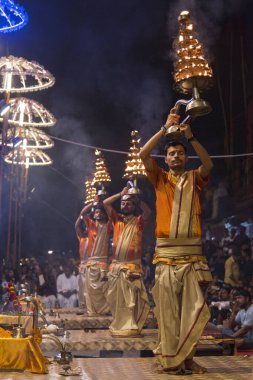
(208, 17)
(75, 160)
(113, 66)
(150, 115)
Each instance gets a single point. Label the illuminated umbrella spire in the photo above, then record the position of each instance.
(12, 16)
(29, 113)
(20, 75)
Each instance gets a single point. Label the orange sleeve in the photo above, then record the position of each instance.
(153, 173)
(88, 221)
(200, 182)
(141, 222)
(113, 216)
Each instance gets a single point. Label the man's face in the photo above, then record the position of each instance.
(224, 294)
(99, 214)
(127, 207)
(241, 301)
(67, 272)
(176, 157)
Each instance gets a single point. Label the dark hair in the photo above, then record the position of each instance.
(244, 293)
(227, 287)
(174, 143)
(99, 207)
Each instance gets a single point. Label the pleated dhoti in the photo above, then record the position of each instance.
(96, 289)
(181, 313)
(128, 303)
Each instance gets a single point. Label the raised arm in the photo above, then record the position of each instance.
(146, 150)
(146, 210)
(78, 224)
(84, 212)
(207, 163)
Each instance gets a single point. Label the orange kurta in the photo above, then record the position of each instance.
(180, 309)
(135, 245)
(97, 266)
(93, 231)
(83, 242)
(126, 294)
(164, 184)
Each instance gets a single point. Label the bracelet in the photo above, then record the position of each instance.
(164, 129)
(191, 138)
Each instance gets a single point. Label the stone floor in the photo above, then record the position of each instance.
(219, 368)
(81, 342)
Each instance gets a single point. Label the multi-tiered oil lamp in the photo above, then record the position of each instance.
(101, 176)
(134, 166)
(192, 73)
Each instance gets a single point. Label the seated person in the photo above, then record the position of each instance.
(225, 304)
(46, 288)
(220, 309)
(67, 287)
(240, 323)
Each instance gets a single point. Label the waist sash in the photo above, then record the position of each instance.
(183, 251)
(98, 262)
(132, 267)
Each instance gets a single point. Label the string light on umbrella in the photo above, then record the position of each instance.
(28, 112)
(23, 158)
(20, 75)
(27, 157)
(12, 16)
(101, 175)
(90, 192)
(134, 165)
(34, 138)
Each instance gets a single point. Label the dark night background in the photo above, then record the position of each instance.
(113, 64)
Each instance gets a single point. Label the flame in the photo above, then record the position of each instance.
(134, 166)
(191, 62)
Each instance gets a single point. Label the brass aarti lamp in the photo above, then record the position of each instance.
(192, 73)
(101, 176)
(134, 166)
(90, 192)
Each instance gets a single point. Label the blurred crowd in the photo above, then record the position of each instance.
(45, 278)
(229, 258)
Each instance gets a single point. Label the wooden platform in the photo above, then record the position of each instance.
(77, 319)
(101, 340)
(219, 368)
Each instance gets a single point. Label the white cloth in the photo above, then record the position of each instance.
(245, 318)
(64, 284)
(48, 301)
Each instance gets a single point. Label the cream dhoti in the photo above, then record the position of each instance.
(127, 298)
(180, 309)
(96, 285)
